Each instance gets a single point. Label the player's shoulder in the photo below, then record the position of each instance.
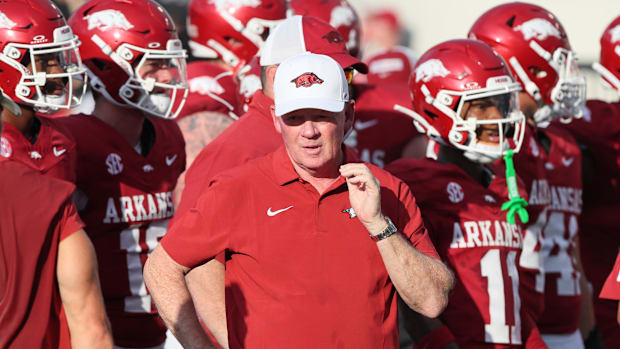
(21, 181)
(418, 170)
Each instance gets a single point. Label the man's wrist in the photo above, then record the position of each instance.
(377, 226)
(388, 231)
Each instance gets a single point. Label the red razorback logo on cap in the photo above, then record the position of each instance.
(307, 80)
(333, 37)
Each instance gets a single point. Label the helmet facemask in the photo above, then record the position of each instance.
(465, 134)
(568, 96)
(157, 79)
(52, 74)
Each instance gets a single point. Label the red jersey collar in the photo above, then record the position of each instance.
(285, 173)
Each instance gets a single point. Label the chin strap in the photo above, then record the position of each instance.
(515, 204)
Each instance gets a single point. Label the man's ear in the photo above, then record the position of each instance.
(276, 119)
(349, 115)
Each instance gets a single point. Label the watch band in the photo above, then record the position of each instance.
(387, 232)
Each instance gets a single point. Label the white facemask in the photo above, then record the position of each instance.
(158, 103)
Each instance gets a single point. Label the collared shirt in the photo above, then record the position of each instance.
(252, 136)
(52, 154)
(37, 214)
(304, 272)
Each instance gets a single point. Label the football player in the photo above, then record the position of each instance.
(50, 291)
(465, 98)
(536, 47)
(598, 132)
(130, 153)
(43, 73)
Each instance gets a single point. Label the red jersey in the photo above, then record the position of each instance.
(211, 88)
(303, 271)
(30, 231)
(471, 234)
(127, 201)
(380, 133)
(611, 288)
(252, 136)
(599, 131)
(553, 181)
(53, 152)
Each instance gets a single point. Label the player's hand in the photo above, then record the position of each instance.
(364, 196)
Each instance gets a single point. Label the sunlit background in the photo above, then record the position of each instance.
(428, 22)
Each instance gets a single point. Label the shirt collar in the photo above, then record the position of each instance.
(285, 173)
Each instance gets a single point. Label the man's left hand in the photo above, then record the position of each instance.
(365, 196)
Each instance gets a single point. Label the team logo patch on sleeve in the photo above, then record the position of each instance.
(114, 163)
(306, 80)
(455, 192)
(5, 147)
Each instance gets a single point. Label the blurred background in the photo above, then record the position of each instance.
(420, 24)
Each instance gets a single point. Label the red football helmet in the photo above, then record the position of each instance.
(133, 54)
(609, 67)
(534, 43)
(450, 75)
(39, 58)
(338, 13)
(233, 31)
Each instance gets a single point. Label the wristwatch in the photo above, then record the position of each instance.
(387, 232)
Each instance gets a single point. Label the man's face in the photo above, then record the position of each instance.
(490, 108)
(313, 137)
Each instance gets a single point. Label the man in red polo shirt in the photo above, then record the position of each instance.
(253, 136)
(303, 271)
(49, 271)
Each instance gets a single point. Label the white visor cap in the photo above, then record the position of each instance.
(310, 81)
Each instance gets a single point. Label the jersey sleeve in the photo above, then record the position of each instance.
(69, 221)
(611, 288)
(198, 235)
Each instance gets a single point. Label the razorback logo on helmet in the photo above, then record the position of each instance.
(306, 80)
(615, 34)
(108, 19)
(204, 85)
(222, 4)
(5, 148)
(333, 37)
(5, 22)
(538, 28)
(430, 69)
(341, 15)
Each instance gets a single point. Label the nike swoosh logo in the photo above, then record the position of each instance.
(567, 161)
(58, 153)
(170, 160)
(362, 125)
(271, 213)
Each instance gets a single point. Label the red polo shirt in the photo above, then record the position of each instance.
(303, 273)
(252, 136)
